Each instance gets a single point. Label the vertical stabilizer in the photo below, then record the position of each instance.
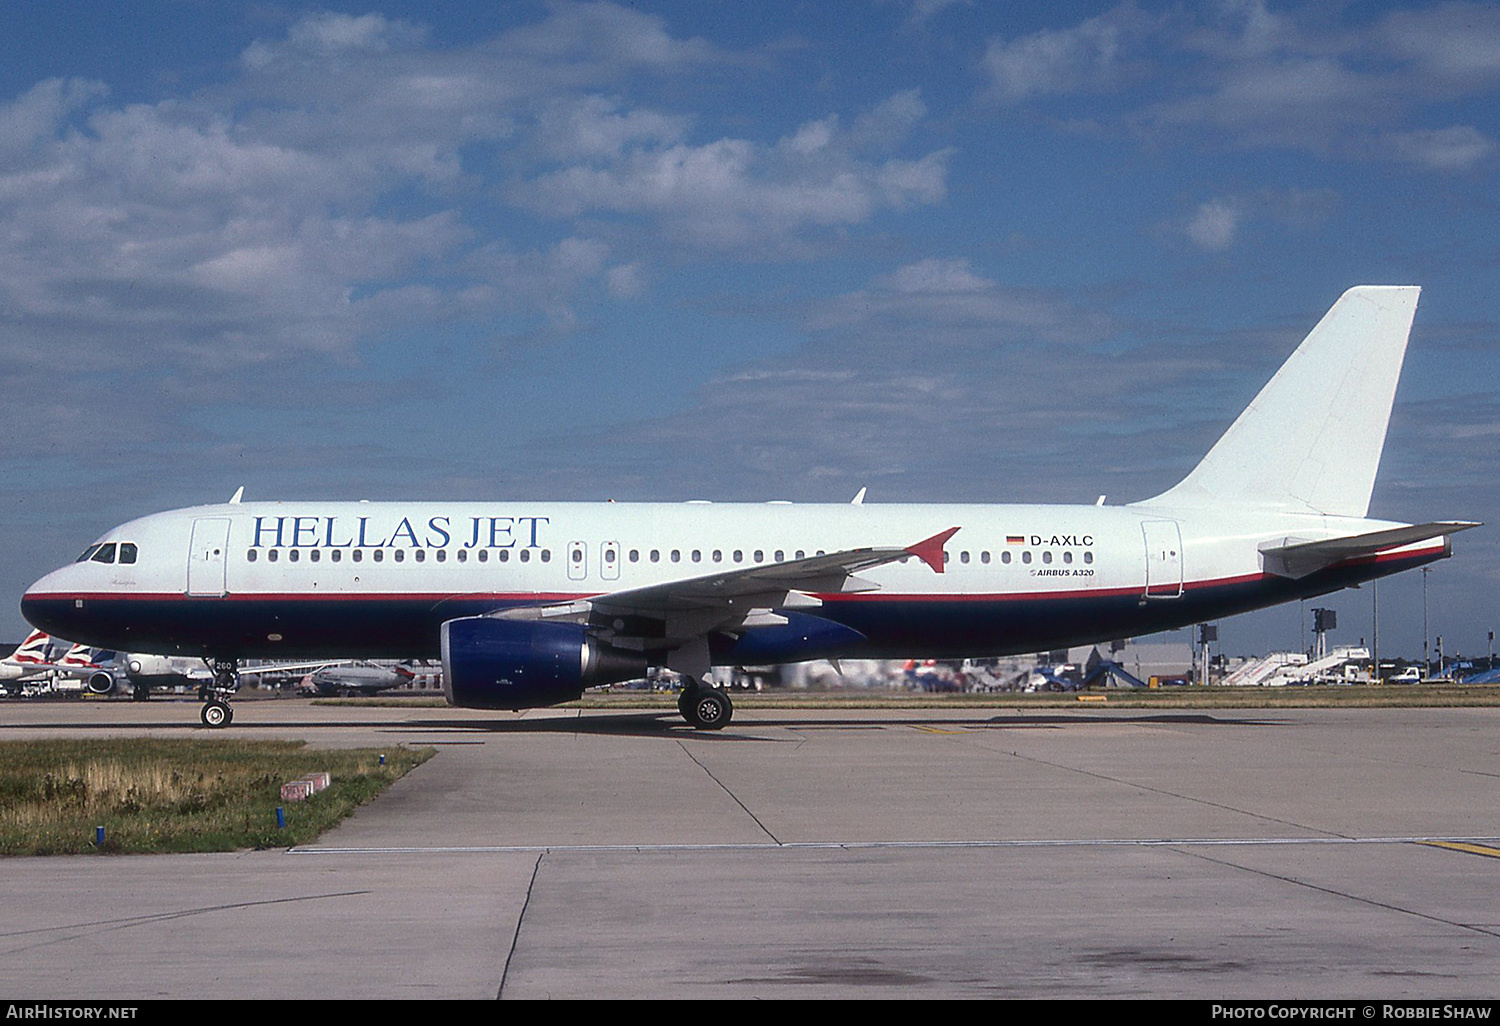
(1310, 442)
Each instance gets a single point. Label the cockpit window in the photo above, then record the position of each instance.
(105, 553)
(127, 552)
(87, 553)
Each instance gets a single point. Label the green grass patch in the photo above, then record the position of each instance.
(153, 795)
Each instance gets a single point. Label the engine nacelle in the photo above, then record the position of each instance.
(518, 664)
(101, 682)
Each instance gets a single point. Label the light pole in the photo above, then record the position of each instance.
(1426, 666)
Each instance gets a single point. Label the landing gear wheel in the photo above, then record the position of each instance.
(217, 714)
(710, 709)
(685, 704)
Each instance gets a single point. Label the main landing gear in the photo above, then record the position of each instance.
(705, 707)
(216, 711)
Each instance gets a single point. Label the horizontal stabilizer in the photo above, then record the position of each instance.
(1297, 559)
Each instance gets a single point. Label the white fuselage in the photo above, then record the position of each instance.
(369, 579)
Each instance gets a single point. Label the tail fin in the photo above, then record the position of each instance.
(35, 649)
(1310, 442)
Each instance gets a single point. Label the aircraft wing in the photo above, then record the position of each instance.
(288, 667)
(665, 616)
(1297, 559)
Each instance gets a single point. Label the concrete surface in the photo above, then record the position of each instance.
(964, 853)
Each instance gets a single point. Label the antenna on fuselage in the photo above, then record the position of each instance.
(234, 500)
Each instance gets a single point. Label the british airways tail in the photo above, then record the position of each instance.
(1310, 442)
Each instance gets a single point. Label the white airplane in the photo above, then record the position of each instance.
(529, 603)
(142, 671)
(368, 679)
(31, 658)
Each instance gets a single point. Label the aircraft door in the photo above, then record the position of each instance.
(578, 561)
(207, 557)
(609, 561)
(1163, 559)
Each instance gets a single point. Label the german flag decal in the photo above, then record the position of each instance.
(1015, 539)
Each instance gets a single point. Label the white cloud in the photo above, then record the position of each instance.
(736, 194)
(1088, 57)
(1213, 226)
(1254, 77)
(1460, 148)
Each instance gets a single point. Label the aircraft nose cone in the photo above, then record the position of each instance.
(47, 606)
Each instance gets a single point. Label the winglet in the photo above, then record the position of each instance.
(931, 550)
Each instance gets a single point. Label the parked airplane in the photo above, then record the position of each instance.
(528, 603)
(31, 658)
(362, 680)
(140, 672)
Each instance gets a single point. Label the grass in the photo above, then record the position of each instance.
(154, 795)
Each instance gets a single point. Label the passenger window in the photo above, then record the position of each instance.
(442, 555)
(127, 552)
(400, 555)
(739, 555)
(801, 554)
(718, 556)
(463, 555)
(1026, 556)
(1005, 556)
(760, 555)
(359, 554)
(677, 555)
(293, 555)
(105, 554)
(1088, 557)
(484, 555)
(1047, 556)
(1067, 557)
(780, 556)
(697, 556)
(984, 557)
(420, 555)
(963, 557)
(635, 555)
(336, 555)
(379, 555)
(526, 555)
(504, 555)
(250, 556)
(314, 555)
(546, 555)
(271, 555)
(656, 555)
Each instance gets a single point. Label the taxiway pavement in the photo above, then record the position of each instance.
(945, 853)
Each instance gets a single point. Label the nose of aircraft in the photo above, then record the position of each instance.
(48, 606)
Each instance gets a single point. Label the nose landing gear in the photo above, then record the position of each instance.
(216, 711)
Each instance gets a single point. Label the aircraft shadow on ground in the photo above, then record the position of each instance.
(662, 724)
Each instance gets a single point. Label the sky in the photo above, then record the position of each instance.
(945, 250)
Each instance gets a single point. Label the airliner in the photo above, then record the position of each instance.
(31, 657)
(111, 673)
(528, 603)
